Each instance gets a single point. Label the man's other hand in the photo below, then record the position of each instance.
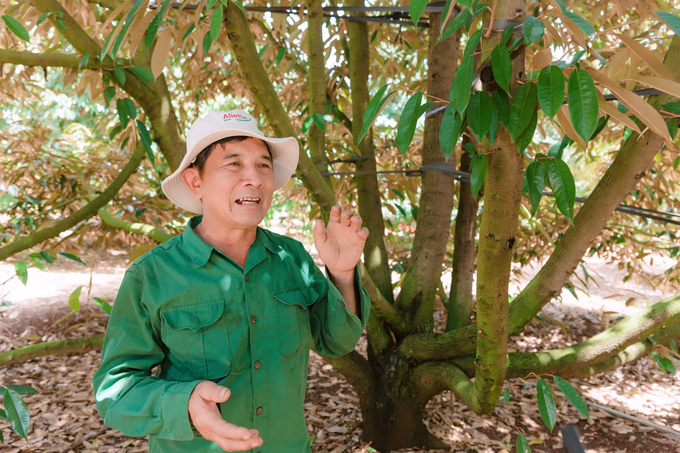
(208, 421)
(341, 243)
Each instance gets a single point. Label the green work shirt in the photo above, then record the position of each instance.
(193, 312)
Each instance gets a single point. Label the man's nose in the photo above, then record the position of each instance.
(251, 177)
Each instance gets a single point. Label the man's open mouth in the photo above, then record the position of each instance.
(248, 200)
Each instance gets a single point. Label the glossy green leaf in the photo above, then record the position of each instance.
(101, 303)
(43, 18)
(446, 14)
(72, 257)
(583, 24)
(546, 404)
(506, 396)
(563, 5)
(449, 131)
(479, 113)
(123, 116)
(84, 61)
(373, 109)
(472, 43)
(109, 93)
(143, 74)
(562, 185)
(22, 389)
(146, 140)
(17, 412)
(673, 346)
(671, 20)
(128, 21)
(38, 264)
(120, 75)
(216, 22)
(535, 177)
(507, 34)
(455, 25)
(47, 257)
(22, 271)
(477, 173)
(16, 28)
(207, 42)
(573, 396)
(669, 365)
(558, 149)
(501, 106)
(74, 300)
(462, 83)
(551, 90)
(672, 124)
(408, 121)
(659, 362)
(501, 65)
(115, 130)
(673, 107)
(527, 135)
(209, 4)
(237, 3)
(522, 109)
(155, 23)
(3, 414)
(533, 29)
(583, 103)
(522, 445)
(601, 123)
(416, 9)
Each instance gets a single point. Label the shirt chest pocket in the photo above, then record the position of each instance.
(196, 336)
(293, 319)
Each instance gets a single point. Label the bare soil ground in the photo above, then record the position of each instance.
(64, 418)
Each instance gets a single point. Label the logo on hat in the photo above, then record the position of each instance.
(235, 116)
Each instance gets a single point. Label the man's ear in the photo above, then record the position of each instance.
(192, 179)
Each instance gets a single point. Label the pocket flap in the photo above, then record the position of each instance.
(194, 317)
(303, 297)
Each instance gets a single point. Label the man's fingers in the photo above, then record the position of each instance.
(230, 431)
(319, 232)
(238, 445)
(355, 222)
(363, 233)
(210, 391)
(344, 218)
(334, 215)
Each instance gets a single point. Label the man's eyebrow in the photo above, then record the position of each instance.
(230, 155)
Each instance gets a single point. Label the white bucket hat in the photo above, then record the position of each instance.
(214, 126)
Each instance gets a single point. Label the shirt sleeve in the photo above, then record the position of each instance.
(128, 397)
(335, 329)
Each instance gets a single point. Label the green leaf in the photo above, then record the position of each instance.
(601, 123)
(209, 4)
(533, 29)
(672, 124)
(84, 61)
(22, 389)
(408, 121)
(130, 108)
(72, 257)
(47, 257)
(416, 9)
(669, 365)
(563, 5)
(558, 149)
(501, 65)
(573, 396)
(506, 396)
(16, 28)
(207, 42)
(109, 93)
(121, 106)
(319, 121)
(101, 303)
(240, 6)
(522, 444)
(673, 107)
(501, 106)
(462, 83)
(671, 20)
(662, 365)
(3, 414)
(546, 404)
(216, 22)
(373, 108)
(507, 34)
(449, 131)
(455, 25)
(479, 113)
(115, 130)
(527, 135)
(74, 300)
(155, 23)
(477, 173)
(120, 75)
(562, 184)
(551, 90)
(535, 176)
(583, 103)
(43, 18)
(38, 264)
(128, 21)
(583, 24)
(522, 109)
(17, 412)
(22, 271)
(673, 346)
(306, 124)
(60, 25)
(472, 42)
(143, 74)
(146, 140)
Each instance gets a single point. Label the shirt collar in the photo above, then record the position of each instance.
(200, 251)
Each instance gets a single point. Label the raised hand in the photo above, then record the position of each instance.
(341, 243)
(208, 421)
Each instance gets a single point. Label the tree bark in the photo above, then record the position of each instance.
(133, 227)
(460, 302)
(370, 205)
(423, 273)
(52, 348)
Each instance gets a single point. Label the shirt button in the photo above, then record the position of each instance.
(257, 364)
(259, 411)
(246, 278)
(253, 319)
(342, 304)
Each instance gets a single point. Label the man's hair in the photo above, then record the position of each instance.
(202, 157)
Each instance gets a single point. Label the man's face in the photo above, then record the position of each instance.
(237, 184)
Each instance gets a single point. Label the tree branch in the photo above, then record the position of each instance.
(61, 347)
(56, 59)
(133, 227)
(83, 213)
(356, 369)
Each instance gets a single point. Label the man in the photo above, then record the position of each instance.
(227, 311)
